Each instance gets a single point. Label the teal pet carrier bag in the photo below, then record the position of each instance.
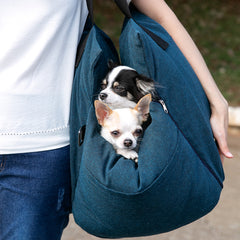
(179, 176)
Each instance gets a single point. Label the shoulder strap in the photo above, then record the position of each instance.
(123, 6)
(126, 10)
(90, 9)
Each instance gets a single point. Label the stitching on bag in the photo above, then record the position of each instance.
(202, 160)
(129, 194)
(143, 47)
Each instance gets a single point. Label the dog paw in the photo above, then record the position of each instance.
(136, 160)
(133, 155)
(129, 154)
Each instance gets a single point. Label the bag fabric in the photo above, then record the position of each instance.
(179, 174)
(177, 84)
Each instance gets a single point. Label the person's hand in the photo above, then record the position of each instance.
(219, 124)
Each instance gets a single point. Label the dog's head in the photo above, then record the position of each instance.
(124, 87)
(122, 127)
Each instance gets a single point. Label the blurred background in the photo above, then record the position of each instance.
(215, 27)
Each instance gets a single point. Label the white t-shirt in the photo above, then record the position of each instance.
(38, 41)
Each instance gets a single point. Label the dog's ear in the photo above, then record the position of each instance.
(111, 64)
(102, 111)
(144, 84)
(143, 106)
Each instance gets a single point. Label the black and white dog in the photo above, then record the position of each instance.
(123, 87)
(123, 108)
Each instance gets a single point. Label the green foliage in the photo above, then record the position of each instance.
(214, 26)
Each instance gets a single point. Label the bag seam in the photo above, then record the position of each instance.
(146, 188)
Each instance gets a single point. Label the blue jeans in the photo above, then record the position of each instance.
(35, 195)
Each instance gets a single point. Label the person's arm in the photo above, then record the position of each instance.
(160, 12)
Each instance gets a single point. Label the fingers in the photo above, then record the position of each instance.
(219, 124)
(223, 147)
(220, 135)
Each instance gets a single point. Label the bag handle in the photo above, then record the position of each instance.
(90, 10)
(124, 7)
(122, 4)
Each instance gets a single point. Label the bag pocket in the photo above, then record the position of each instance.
(119, 174)
(169, 188)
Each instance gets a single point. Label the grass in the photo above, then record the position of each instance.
(214, 26)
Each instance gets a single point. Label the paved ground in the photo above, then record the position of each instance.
(223, 223)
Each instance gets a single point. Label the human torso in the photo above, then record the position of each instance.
(37, 53)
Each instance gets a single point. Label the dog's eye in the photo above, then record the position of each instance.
(115, 133)
(119, 88)
(138, 132)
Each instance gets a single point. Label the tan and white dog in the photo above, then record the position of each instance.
(123, 127)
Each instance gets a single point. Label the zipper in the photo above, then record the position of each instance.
(203, 161)
(163, 105)
(161, 101)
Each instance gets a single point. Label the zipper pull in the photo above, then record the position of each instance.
(163, 105)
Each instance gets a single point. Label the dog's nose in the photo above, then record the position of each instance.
(128, 142)
(103, 96)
